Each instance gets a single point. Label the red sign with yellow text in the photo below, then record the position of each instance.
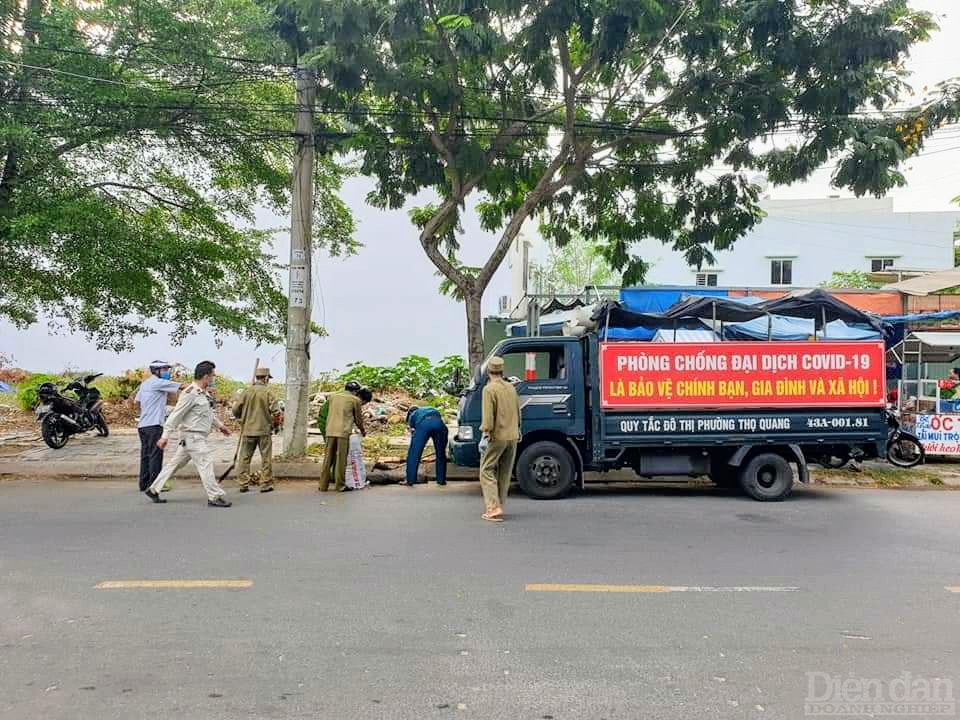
(757, 374)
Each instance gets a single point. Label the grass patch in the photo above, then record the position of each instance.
(936, 481)
(897, 477)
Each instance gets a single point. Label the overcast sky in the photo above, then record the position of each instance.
(383, 303)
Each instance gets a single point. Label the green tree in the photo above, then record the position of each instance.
(572, 267)
(599, 117)
(136, 140)
(854, 279)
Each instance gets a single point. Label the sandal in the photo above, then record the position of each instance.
(492, 518)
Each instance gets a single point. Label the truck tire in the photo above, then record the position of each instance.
(546, 471)
(767, 477)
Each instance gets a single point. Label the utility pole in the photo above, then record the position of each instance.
(300, 290)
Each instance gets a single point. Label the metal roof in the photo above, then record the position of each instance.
(937, 339)
(928, 284)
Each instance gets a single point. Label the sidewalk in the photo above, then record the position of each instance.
(118, 457)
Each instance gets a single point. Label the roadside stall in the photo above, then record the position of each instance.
(928, 399)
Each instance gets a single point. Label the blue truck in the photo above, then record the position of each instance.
(569, 427)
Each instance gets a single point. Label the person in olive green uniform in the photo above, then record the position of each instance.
(343, 412)
(256, 410)
(500, 428)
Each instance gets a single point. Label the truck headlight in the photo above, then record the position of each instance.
(465, 433)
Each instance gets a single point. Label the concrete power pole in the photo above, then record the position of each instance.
(301, 233)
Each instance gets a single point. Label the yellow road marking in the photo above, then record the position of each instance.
(952, 588)
(131, 584)
(576, 587)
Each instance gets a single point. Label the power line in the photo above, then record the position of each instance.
(38, 25)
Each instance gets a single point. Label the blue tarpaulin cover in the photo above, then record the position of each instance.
(658, 300)
(788, 328)
(923, 317)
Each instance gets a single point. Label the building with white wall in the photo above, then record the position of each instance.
(799, 243)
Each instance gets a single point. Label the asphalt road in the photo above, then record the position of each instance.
(400, 603)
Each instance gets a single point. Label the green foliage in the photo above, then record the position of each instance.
(602, 118)
(572, 267)
(854, 279)
(413, 374)
(27, 390)
(227, 389)
(136, 141)
(119, 387)
(956, 240)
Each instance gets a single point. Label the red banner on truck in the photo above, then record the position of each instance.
(636, 376)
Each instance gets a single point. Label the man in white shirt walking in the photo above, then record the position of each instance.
(194, 418)
(152, 398)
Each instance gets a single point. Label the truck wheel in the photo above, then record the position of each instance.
(545, 471)
(767, 477)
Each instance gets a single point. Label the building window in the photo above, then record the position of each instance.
(706, 279)
(880, 264)
(781, 272)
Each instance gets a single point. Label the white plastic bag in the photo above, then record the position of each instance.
(356, 472)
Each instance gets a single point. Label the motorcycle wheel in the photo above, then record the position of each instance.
(53, 434)
(905, 451)
(101, 426)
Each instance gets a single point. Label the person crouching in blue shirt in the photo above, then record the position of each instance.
(426, 423)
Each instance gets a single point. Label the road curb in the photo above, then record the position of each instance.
(281, 471)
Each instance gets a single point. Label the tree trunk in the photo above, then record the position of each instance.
(475, 353)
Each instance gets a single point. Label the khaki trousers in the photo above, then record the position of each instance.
(334, 462)
(496, 468)
(248, 444)
(192, 447)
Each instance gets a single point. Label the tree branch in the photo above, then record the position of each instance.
(138, 188)
(431, 244)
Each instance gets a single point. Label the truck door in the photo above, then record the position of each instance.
(549, 381)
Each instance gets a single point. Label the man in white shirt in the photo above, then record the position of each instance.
(152, 398)
(194, 417)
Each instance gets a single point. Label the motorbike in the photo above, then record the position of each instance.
(903, 449)
(61, 416)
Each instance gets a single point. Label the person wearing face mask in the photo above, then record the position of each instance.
(194, 417)
(152, 397)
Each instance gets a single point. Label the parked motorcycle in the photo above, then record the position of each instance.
(61, 416)
(903, 449)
